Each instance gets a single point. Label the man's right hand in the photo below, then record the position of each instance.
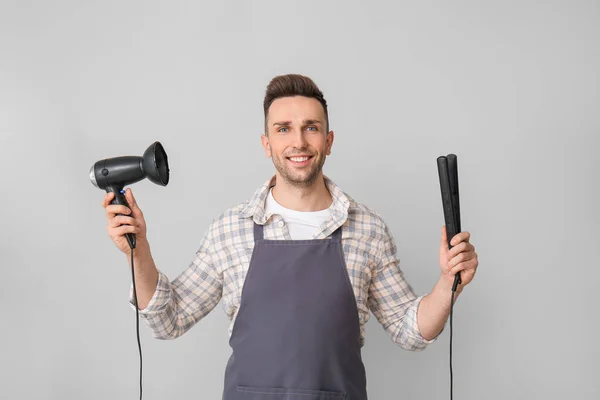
(132, 221)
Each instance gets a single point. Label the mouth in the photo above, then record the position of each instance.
(300, 161)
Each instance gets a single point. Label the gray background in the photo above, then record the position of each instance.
(511, 87)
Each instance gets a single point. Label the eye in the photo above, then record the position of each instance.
(312, 127)
(282, 129)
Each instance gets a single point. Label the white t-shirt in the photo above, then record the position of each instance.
(301, 224)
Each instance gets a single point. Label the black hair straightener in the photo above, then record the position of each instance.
(448, 175)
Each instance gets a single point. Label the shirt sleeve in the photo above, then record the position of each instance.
(393, 301)
(178, 305)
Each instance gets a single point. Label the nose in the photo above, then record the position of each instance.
(299, 140)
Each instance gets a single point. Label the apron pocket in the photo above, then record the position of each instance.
(259, 393)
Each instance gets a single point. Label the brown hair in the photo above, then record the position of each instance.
(293, 85)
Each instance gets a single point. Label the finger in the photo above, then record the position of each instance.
(114, 209)
(123, 229)
(460, 237)
(107, 199)
(460, 248)
(118, 209)
(467, 265)
(122, 220)
(460, 258)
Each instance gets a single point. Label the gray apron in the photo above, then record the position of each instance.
(297, 332)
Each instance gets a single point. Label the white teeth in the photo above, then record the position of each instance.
(299, 159)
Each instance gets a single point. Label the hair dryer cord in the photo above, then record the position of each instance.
(137, 323)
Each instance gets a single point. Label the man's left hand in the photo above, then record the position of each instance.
(461, 257)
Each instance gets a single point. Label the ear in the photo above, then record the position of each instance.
(329, 141)
(264, 139)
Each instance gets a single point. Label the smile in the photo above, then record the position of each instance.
(303, 160)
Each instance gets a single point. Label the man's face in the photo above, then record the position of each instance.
(297, 139)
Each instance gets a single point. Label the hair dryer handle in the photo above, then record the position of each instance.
(121, 200)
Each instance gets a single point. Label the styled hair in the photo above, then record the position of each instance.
(293, 85)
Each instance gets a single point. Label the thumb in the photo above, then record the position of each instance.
(131, 200)
(444, 239)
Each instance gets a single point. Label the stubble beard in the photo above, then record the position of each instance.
(303, 179)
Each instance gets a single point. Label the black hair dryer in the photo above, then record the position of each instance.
(112, 174)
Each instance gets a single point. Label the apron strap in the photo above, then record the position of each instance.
(258, 232)
(337, 234)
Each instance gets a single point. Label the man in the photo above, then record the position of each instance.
(298, 266)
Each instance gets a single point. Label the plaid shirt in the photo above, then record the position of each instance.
(219, 268)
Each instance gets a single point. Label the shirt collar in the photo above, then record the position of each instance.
(255, 208)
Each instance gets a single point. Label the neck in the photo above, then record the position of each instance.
(315, 197)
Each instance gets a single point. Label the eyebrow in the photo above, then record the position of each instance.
(306, 122)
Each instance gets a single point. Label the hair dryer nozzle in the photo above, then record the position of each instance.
(156, 164)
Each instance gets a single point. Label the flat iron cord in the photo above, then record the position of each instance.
(456, 279)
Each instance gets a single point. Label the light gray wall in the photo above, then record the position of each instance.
(511, 87)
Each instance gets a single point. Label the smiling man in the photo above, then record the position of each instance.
(299, 266)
